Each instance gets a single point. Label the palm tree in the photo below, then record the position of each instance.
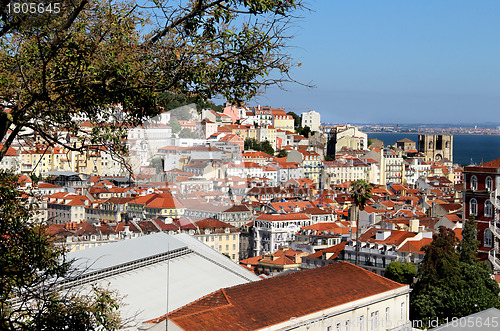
(360, 193)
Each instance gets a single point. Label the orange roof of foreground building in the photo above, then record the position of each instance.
(275, 300)
(415, 246)
(492, 164)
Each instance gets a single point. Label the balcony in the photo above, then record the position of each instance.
(495, 261)
(495, 228)
(368, 264)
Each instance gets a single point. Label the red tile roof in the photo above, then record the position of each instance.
(10, 151)
(283, 217)
(334, 250)
(415, 246)
(47, 185)
(492, 164)
(209, 223)
(275, 300)
(395, 238)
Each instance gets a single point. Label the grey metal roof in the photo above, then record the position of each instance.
(124, 251)
(61, 173)
(197, 272)
(488, 319)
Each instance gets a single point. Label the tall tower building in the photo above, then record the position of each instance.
(332, 141)
(436, 147)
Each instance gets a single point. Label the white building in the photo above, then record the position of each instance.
(394, 166)
(350, 137)
(11, 160)
(289, 170)
(312, 119)
(345, 170)
(416, 168)
(275, 231)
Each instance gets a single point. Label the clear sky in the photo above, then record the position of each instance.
(401, 61)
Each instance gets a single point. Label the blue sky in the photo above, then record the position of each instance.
(396, 62)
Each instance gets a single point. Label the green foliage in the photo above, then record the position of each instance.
(175, 125)
(251, 143)
(31, 269)
(94, 55)
(304, 131)
(469, 244)
(282, 153)
(186, 133)
(34, 178)
(296, 119)
(95, 311)
(264, 146)
(401, 272)
(181, 114)
(171, 101)
(370, 141)
(329, 158)
(157, 163)
(360, 192)
(448, 286)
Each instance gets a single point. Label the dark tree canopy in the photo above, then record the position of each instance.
(31, 267)
(282, 153)
(304, 131)
(451, 284)
(92, 56)
(175, 125)
(296, 119)
(264, 146)
(157, 163)
(360, 193)
(187, 133)
(401, 272)
(468, 245)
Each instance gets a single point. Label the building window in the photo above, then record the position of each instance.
(387, 318)
(403, 312)
(488, 209)
(361, 323)
(348, 325)
(374, 320)
(489, 183)
(338, 327)
(473, 183)
(473, 207)
(488, 238)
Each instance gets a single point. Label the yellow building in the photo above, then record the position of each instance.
(267, 133)
(243, 131)
(283, 122)
(222, 237)
(42, 159)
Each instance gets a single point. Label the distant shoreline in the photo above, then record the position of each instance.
(437, 132)
(477, 147)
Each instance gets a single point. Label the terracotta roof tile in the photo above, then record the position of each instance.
(492, 164)
(241, 307)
